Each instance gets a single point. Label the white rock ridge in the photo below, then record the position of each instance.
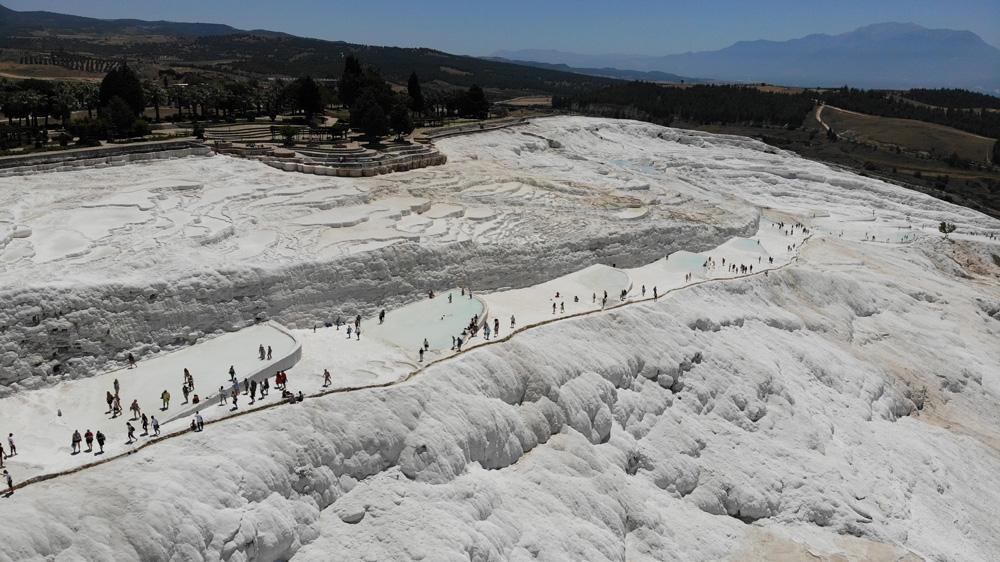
(844, 406)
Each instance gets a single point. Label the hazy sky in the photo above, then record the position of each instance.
(478, 28)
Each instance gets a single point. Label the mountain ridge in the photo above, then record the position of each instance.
(881, 55)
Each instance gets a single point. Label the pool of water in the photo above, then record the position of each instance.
(434, 319)
(686, 261)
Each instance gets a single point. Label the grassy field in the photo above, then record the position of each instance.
(920, 136)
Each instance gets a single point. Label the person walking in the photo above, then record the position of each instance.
(77, 439)
(260, 352)
(222, 396)
(185, 391)
(328, 379)
(427, 344)
(134, 408)
(165, 397)
(512, 321)
(264, 389)
(268, 353)
(89, 438)
(116, 407)
(10, 482)
(100, 440)
(420, 352)
(232, 373)
(253, 391)
(117, 387)
(381, 316)
(156, 425)
(110, 399)
(131, 361)
(11, 446)
(199, 421)
(145, 425)
(131, 432)
(2, 455)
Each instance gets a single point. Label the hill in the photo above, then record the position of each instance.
(215, 47)
(886, 55)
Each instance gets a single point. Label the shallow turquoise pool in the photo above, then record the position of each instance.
(434, 319)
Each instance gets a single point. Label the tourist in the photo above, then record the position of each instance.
(100, 441)
(117, 387)
(357, 332)
(2, 455)
(268, 353)
(75, 443)
(131, 361)
(349, 331)
(185, 391)
(328, 379)
(131, 432)
(222, 396)
(116, 407)
(449, 298)
(246, 385)
(562, 307)
(512, 321)
(145, 425)
(427, 344)
(553, 308)
(381, 316)
(496, 327)
(235, 395)
(420, 352)
(643, 290)
(265, 388)
(655, 295)
(232, 373)
(165, 397)
(89, 438)
(11, 446)
(253, 391)
(134, 408)
(10, 482)
(110, 400)
(200, 421)
(260, 352)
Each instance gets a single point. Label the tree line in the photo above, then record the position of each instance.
(702, 104)
(952, 97)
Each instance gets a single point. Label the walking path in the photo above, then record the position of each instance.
(385, 354)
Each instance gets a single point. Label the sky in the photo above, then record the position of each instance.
(645, 27)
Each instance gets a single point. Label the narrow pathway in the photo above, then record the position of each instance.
(413, 370)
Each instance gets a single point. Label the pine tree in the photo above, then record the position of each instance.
(416, 96)
(351, 81)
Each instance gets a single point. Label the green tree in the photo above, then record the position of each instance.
(416, 96)
(474, 103)
(123, 82)
(154, 95)
(368, 117)
(399, 121)
(120, 117)
(306, 95)
(946, 228)
(351, 81)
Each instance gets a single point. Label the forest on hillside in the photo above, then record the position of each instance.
(881, 103)
(696, 104)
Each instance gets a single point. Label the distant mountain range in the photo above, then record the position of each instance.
(885, 55)
(607, 72)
